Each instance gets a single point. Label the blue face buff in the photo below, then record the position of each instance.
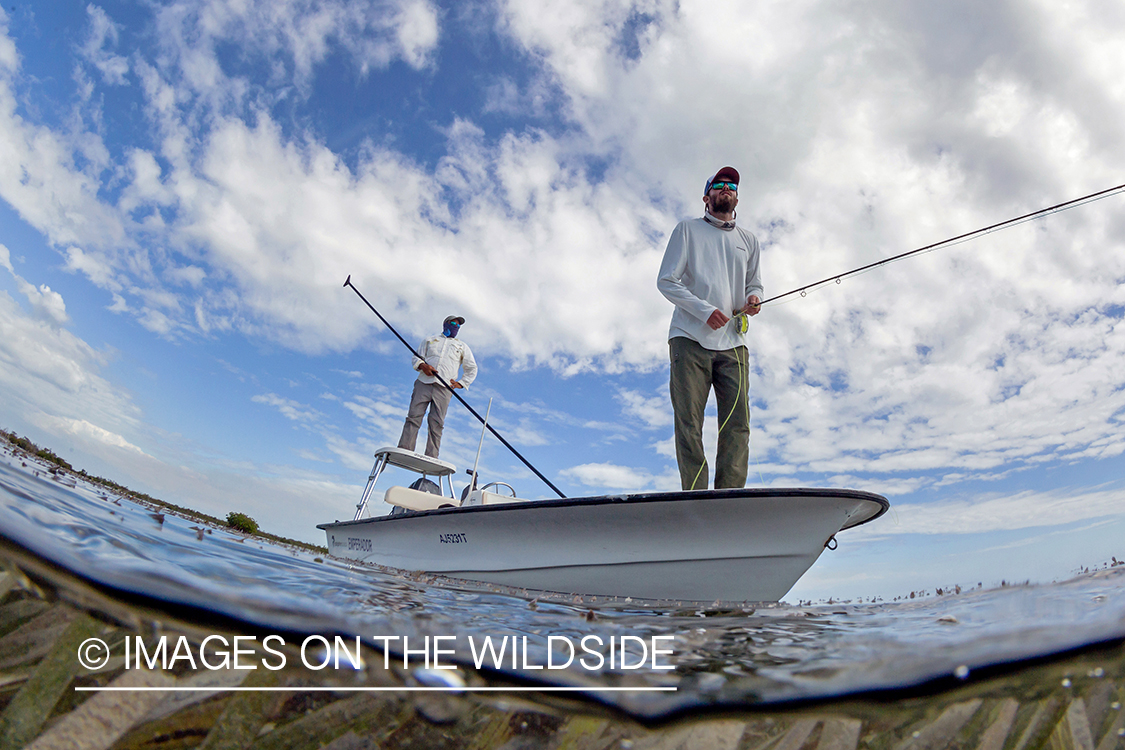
(451, 328)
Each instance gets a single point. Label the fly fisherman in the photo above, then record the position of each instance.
(710, 273)
(442, 355)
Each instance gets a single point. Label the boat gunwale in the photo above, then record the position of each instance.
(645, 497)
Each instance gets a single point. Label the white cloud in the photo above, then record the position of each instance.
(95, 266)
(9, 56)
(295, 35)
(49, 376)
(288, 408)
(157, 322)
(82, 429)
(47, 304)
(103, 34)
(989, 513)
(371, 409)
(188, 275)
(350, 454)
(39, 177)
(609, 475)
(147, 189)
(287, 222)
(417, 32)
(652, 411)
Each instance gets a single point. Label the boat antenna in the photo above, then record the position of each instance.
(1057, 208)
(348, 282)
(481, 444)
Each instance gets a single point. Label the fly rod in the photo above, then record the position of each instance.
(482, 420)
(959, 238)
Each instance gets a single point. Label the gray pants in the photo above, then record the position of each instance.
(435, 396)
(694, 370)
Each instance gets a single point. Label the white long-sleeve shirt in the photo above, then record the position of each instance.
(446, 355)
(706, 268)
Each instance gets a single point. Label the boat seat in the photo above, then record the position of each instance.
(404, 497)
(484, 497)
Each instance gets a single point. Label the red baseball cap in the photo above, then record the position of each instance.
(726, 174)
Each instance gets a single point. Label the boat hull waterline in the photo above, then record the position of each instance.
(730, 545)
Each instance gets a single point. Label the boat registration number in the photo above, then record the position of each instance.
(453, 538)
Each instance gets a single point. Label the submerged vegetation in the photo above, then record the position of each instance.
(239, 521)
(45, 699)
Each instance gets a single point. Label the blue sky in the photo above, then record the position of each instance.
(186, 185)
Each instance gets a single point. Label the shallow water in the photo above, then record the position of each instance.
(160, 574)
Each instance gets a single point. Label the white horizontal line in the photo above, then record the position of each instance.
(490, 688)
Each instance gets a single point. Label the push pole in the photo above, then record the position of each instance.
(348, 282)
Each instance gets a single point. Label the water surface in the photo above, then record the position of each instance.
(137, 565)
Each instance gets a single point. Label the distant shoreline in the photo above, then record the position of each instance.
(50, 462)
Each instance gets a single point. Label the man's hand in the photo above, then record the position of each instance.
(717, 320)
(454, 384)
(753, 305)
(428, 369)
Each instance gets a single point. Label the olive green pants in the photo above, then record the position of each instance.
(694, 370)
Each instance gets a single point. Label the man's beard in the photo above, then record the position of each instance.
(723, 203)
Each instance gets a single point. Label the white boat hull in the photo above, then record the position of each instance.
(734, 545)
